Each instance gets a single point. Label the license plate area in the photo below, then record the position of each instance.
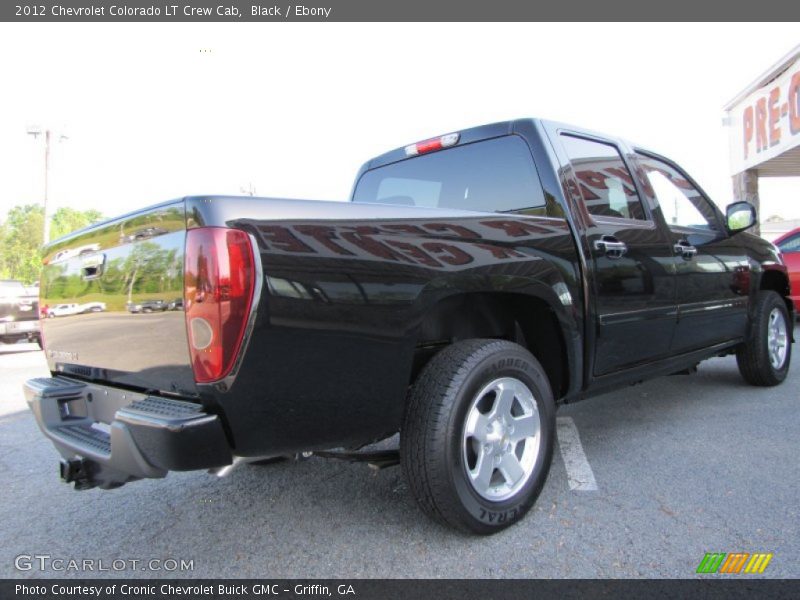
(71, 409)
(92, 404)
(22, 326)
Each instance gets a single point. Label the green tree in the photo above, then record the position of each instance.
(20, 243)
(21, 237)
(66, 220)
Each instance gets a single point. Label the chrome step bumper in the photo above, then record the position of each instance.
(108, 437)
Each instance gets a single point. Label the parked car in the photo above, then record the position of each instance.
(63, 310)
(147, 306)
(19, 313)
(476, 281)
(176, 304)
(789, 245)
(92, 307)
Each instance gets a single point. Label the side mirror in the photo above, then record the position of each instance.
(740, 216)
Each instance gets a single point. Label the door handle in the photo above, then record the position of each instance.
(685, 249)
(611, 246)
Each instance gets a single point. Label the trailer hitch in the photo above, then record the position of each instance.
(77, 471)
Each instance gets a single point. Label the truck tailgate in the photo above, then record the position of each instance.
(113, 296)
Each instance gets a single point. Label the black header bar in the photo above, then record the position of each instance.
(394, 589)
(240, 11)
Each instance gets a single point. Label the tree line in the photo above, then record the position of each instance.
(21, 236)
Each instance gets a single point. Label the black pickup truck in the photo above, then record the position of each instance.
(475, 281)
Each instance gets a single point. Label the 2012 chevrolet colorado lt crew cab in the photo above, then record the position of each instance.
(475, 281)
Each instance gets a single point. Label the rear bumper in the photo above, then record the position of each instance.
(108, 437)
(20, 328)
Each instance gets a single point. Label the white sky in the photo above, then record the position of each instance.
(296, 108)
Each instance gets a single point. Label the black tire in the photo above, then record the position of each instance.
(431, 444)
(753, 356)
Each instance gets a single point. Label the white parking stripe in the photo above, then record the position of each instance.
(579, 472)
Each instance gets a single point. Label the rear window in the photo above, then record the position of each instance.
(492, 176)
(12, 289)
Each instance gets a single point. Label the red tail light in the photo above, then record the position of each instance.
(218, 294)
(433, 144)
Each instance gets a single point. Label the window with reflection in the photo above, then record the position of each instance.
(496, 175)
(681, 203)
(604, 181)
(791, 244)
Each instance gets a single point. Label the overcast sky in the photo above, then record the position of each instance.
(159, 111)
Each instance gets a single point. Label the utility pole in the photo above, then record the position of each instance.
(46, 235)
(35, 131)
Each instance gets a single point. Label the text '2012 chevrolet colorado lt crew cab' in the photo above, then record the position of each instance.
(474, 282)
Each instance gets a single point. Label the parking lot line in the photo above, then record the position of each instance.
(579, 471)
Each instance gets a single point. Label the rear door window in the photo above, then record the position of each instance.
(604, 181)
(496, 175)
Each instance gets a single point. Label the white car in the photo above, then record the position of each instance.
(63, 310)
(92, 307)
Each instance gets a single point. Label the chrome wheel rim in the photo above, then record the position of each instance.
(502, 438)
(776, 338)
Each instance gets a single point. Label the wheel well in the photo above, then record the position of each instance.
(778, 282)
(526, 320)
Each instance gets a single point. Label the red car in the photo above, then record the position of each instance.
(789, 245)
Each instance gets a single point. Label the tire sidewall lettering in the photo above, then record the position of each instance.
(497, 514)
(779, 372)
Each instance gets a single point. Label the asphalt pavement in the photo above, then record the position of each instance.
(681, 466)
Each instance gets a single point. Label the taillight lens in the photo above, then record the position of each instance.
(433, 144)
(218, 294)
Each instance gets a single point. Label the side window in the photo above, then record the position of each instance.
(791, 244)
(605, 183)
(11, 289)
(681, 203)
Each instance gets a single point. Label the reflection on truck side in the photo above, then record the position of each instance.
(148, 275)
(438, 245)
